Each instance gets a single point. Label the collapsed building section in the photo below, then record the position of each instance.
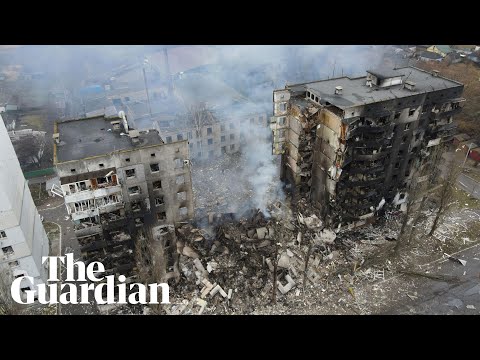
(118, 183)
(352, 144)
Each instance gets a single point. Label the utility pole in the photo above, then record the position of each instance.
(146, 88)
(468, 152)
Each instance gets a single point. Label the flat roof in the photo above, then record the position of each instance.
(356, 92)
(384, 73)
(87, 137)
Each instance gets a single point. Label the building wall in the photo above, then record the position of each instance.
(360, 154)
(170, 159)
(224, 137)
(19, 219)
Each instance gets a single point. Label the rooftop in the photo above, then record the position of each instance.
(384, 73)
(94, 136)
(356, 93)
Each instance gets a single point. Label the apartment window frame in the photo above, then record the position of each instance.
(157, 184)
(154, 166)
(8, 250)
(159, 200)
(130, 193)
(129, 171)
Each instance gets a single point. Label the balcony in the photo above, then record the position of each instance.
(86, 230)
(102, 209)
(370, 129)
(363, 155)
(106, 191)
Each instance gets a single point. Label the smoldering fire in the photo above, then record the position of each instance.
(48, 294)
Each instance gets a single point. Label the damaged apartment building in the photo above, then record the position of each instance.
(118, 183)
(352, 145)
(198, 107)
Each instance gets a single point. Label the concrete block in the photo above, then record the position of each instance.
(261, 233)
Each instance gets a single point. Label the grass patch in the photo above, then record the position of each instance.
(35, 122)
(462, 200)
(39, 194)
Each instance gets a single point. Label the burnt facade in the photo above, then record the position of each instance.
(352, 144)
(118, 183)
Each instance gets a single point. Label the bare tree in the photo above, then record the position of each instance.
(418, 192)
(412, 204)
(7, 305)
(446, 193)
(200, 115)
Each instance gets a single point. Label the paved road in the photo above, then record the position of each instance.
(469, 184)
(445, 298)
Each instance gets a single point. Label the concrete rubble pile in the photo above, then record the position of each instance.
(221, 185)
(228, 268)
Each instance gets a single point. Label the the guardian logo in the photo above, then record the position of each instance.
(48, 294)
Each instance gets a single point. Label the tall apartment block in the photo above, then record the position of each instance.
(23, 240)
(119, 182)
(350, 144)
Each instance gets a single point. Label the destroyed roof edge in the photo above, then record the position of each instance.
(113, 152)
(365, 76)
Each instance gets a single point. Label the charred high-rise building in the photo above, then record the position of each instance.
(118, 181)
(350, 144)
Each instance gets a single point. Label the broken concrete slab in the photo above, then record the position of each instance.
(188, 251)
(269, 264)
(333, 255)
(207, 288)
(312, 222)
(229, 295)
(264, 243)
(211, 266)
(202, 303)
(290, 284)
(217, 289)
(289, 253)
(299, 238)
(199, 266)
(261, 233)
(326, 236)
(271, 233)
(284, 261)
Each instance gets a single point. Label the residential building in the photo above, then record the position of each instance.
(443, 50)
(351, 145)
(23, 240)
(216, 118)
(118, 183)
(429, 56)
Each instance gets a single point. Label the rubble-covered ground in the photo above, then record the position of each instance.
(227, 256)
(348, 272)
(219, 185)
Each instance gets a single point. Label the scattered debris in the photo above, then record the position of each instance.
(454, 259)
(438, 277)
